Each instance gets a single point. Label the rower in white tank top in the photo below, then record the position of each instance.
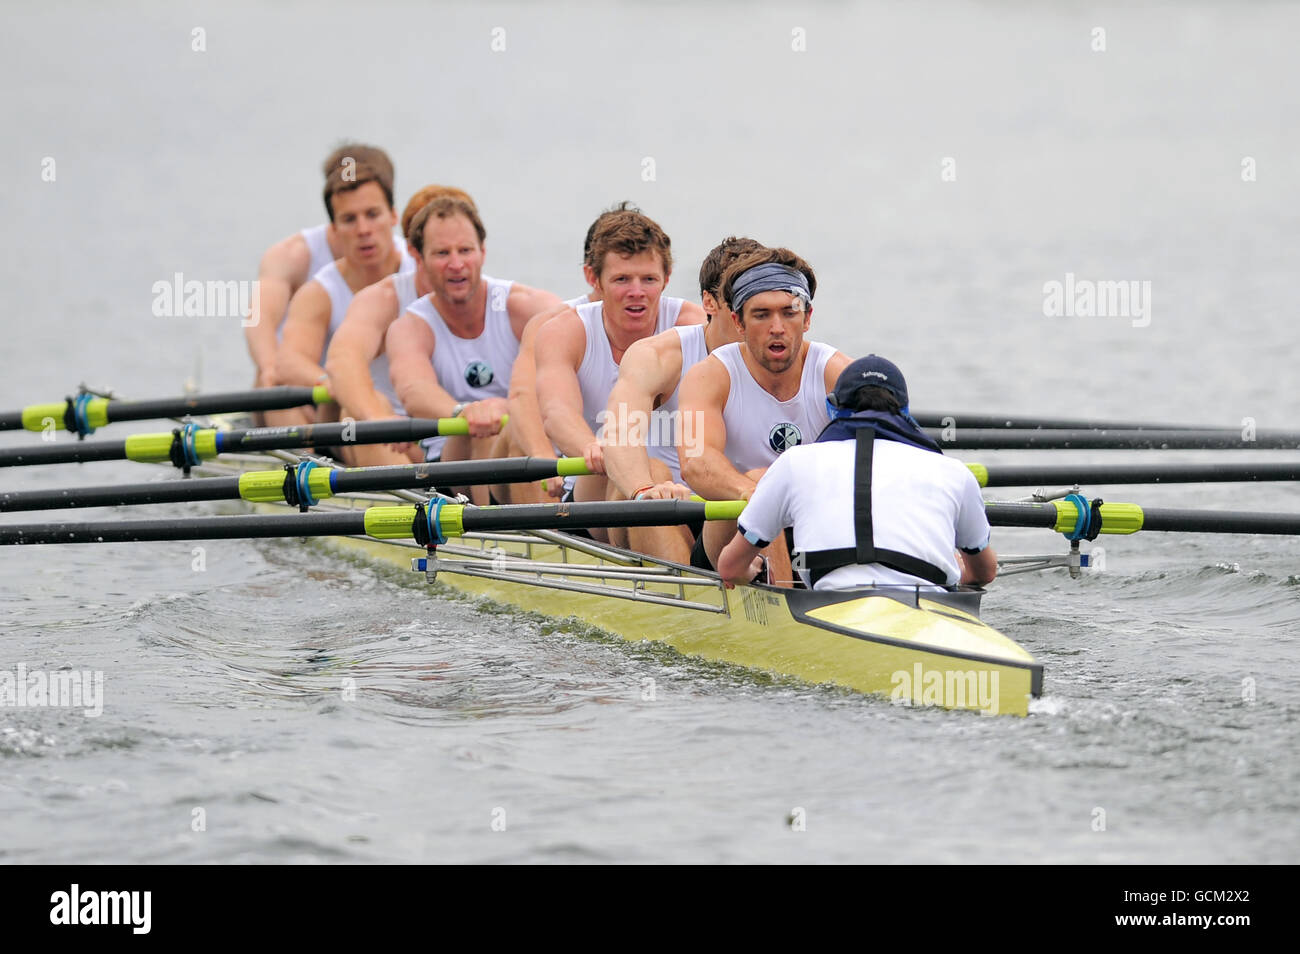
(665, 420)
(341, 295)
(317, 239)
(598, 371)
(472, 369)
(759, 427)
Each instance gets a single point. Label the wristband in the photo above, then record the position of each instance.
(640, 490)
(456, 411)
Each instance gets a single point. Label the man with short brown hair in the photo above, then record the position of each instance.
(451, 352)
(753, 399)
(645, 398)
(288, 264)
(578, 352)
(357, 361)
(362, 216)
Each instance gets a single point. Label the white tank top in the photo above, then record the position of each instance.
(580, 300)
(759, 427)
(666, 430)
(341, 294)
(319, 246)
(598, 371)
(471, 369)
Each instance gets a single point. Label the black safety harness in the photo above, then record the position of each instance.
(820, 562)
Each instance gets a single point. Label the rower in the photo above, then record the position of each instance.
(357, 362)
(450, 353)
(872, 502)
(527, 434)
(288, 264)
(645, 465)
(361, 209)
(578, 352)
(750, 401)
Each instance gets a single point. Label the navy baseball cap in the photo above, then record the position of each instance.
(873, 371)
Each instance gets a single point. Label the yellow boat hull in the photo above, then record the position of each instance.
(924, 651)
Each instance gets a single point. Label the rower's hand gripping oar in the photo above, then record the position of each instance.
(83, 414)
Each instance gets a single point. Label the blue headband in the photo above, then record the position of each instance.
(769, 276)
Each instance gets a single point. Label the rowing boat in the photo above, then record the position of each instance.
(919, 646)
(911, 645)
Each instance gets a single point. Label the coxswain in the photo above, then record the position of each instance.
(873, 502)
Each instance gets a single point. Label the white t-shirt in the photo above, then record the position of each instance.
(922, 504)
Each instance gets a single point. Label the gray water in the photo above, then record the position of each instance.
(1172, 678)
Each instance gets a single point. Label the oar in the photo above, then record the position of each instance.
(1066, 516)
(1020, 422)
(304, 484)
(433, 524)
(1013, 475)
(187, 447)
(996, 439)
(84, 413)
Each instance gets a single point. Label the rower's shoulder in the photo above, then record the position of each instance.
(312, 295)
(375, 301)
(288, 258)
(836, 362)
(660, 353)
(525, 302)
(560, 326)
(690, 314)
(707, 377)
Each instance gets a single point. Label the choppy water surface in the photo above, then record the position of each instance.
(1172, 678)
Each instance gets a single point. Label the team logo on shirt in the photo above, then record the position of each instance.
(478, 374)
(784, 436)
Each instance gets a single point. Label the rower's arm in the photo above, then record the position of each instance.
(973, 534)
(558, 352)
(764, 519)
(359, 341)
(282, 272)
(979, 569)
(297, 360)
(525, 414)
(702, 436)
(410, 345)
(641, 381)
